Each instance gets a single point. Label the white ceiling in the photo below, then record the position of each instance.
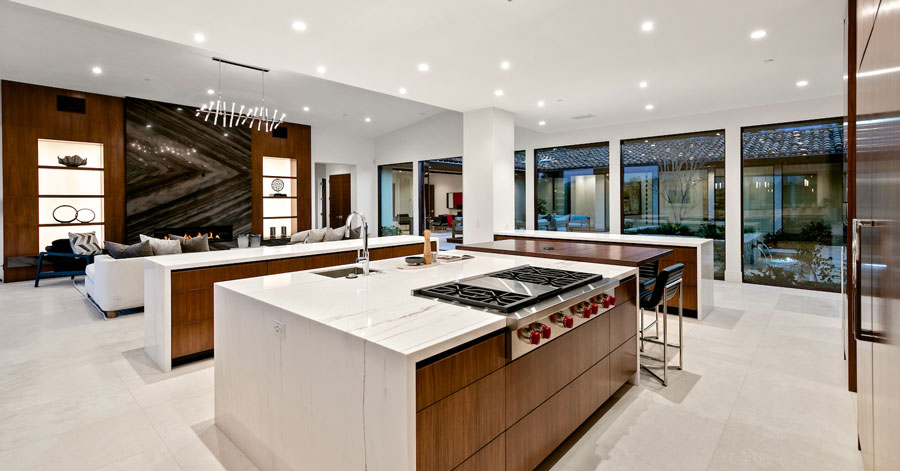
(55, 50)
(579, 56)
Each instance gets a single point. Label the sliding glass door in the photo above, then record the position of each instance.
(675, 185)
(794, 204)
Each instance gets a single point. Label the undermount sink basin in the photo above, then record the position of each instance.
(351, 272)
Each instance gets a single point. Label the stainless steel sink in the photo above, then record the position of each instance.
(346, 272)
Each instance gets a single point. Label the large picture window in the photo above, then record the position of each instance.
(395, 198)
(793, 204)
(572, 188)
(675, 185)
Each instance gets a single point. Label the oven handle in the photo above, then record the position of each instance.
(863, 335)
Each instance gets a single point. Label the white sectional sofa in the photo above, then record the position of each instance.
(115, 285)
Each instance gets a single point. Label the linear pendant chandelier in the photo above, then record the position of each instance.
(229, 113)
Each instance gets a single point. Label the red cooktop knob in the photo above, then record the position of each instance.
(568, 322)
(534, 337)
(612, 300)
(605, 303)
(594, 308)
(546, 332)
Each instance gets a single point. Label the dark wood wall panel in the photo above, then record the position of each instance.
(297, 146)
(29, 114)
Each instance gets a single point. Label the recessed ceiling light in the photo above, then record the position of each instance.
(423, 67)
(321, 69)
(97, 70)
(647, 26)
(498, 92)
(298, 25)
(199, 37)
(648, 107)
(210, 92)
(541, 123)
(368, 119)
(402, 91)
(643, 84)
(758, 34)
(504, 65)
(802, 83)
(305, 108)
(540, 104)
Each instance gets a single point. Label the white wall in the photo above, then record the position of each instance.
(436, 137)
(444, 183)
(345, 153)
(730, 120)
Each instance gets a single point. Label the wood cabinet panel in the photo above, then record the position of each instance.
(287, 265)
(454, 428)
(490, 458)
(623, 364)
(204, 277)
(534, 437)
(192, 337)
(193, 305)
(622, 323)
(448, 375)
(626, 291)
(298, 146)
(555, 364)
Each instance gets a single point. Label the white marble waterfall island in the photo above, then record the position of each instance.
(178, 293)
(340, 374)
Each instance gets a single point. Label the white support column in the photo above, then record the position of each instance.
(615, 186)
(530, 170)
(734, 233)
(488, 174)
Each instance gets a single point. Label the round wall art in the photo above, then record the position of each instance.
(277, 184)
(65, 214)
(86, 215)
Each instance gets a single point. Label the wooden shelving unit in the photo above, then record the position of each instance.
(279, 211)
(79, 187)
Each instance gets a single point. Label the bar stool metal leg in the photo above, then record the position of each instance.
(681, 327)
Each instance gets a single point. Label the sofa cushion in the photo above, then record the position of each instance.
(162, 247)
(299, 238)
(316, 235)
(117, 250)
(85, 243)
(332, 234)
(353, 233)
(192, 244)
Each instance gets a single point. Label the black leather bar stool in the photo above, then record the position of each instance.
(646, 278)
(664, 287)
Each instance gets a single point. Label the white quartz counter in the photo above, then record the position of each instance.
(381, 309)
(258, 254)
(672, 241)
(320, 373)
(158, 280)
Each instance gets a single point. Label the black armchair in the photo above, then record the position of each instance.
(65, 262)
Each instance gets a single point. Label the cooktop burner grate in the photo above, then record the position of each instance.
(478, 296)
(547, 276)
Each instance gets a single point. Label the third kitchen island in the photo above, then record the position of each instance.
(487, 363)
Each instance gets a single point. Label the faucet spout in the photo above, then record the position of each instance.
(362, 255)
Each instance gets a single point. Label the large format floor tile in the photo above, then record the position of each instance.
(763, 388)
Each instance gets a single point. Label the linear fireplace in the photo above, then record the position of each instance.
(215, 233)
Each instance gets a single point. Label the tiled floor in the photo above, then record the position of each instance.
(763, 388)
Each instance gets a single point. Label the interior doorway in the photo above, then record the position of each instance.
(440, 200)
(338, 199)
(395, 199)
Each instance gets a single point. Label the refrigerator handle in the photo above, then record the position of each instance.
(859, 333)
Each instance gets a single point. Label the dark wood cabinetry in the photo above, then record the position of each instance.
(192, 293)
(529, 405)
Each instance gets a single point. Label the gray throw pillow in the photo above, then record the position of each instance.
(299, 238)
(119, 251)
(335, 234)
(85, 243)
(316, 235)
(162, 247)
(194, 244)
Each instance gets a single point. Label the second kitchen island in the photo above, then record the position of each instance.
(314, 372)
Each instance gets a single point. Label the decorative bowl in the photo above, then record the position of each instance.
(72, 160)
(415, 260)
